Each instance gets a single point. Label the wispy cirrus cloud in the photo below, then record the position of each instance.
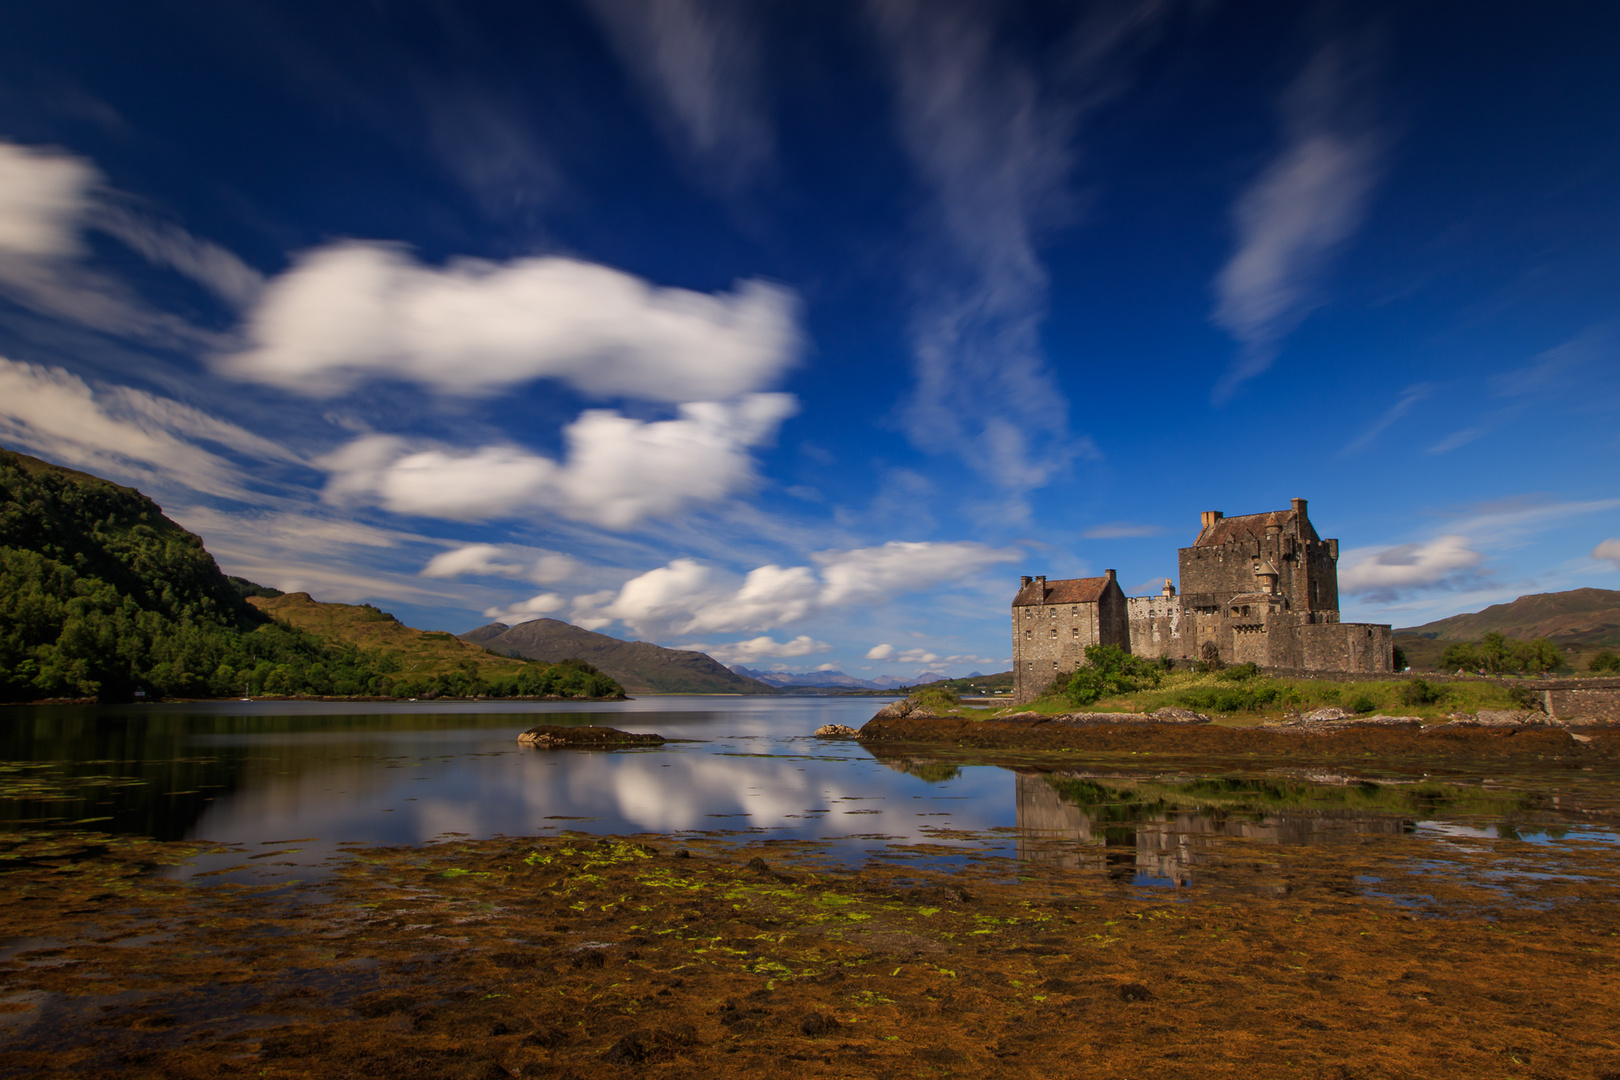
(1403, 405)
(123, 432)
(699, 64)
(995, 149)
(1609, 551)
(48, 199)
(1297, 213)
(1122, 530)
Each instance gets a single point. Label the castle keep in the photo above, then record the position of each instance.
(1259, 588)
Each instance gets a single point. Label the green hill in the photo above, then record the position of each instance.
(1579, 622)
(101, 596)
(641, 666)
(418, 652)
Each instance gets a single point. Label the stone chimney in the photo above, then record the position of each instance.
(1210, 517)
(1169, 589)
(1299, 506)
(1109, 574)
(1023, 582)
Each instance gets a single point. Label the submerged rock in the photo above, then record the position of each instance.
(836, 731)
(557, 736)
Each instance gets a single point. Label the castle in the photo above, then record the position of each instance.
(1259, 588)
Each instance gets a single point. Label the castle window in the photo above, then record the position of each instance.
(1076, 630)
(1054, 631)
(1028, 634)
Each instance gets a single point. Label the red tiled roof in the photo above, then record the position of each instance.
(1083, 590)
(1250, 527)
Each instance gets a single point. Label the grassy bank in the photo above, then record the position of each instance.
(1258, 697)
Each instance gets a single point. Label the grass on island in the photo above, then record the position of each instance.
(1243, 696)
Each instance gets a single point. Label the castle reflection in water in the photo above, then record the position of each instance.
(1152, 837)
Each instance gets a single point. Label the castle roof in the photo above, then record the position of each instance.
(1082, 590)
(1254, 526)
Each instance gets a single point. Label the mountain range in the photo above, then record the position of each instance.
(640, 666)
(835, 679)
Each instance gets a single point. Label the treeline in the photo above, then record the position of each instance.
(1497, 654)
(101, 596)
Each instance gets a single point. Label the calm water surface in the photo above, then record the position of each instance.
(302, 778)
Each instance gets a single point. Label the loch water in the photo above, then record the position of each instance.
(295, 782)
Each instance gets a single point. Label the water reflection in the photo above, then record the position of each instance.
(300, 779)
(1158, 832)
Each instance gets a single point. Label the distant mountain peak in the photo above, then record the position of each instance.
(639, 666)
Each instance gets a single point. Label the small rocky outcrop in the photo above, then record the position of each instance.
(1311, 722)
(558, 736)
(836, 731)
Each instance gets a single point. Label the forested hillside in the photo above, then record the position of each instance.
(101, 596)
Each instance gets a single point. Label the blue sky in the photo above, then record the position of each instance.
(796, 332)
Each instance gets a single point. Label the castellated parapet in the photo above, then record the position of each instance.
(1258, 588)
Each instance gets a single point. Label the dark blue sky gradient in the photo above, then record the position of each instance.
(987, 217)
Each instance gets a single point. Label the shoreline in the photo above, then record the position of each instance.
(592, 956)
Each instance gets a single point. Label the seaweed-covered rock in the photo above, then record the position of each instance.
(557, 736)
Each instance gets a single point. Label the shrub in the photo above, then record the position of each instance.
(1525, 698)
(1240, 672)
(1110, 670)
(1604, 661)
(1422, 692)
(1209, 658)
(1400, 659)
(1250, 697)
(935, 699)
(1361, 703)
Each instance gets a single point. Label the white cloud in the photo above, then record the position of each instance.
(687, 596)
(880, 652)
(1295, 216)
(753, 650)
(1610, 550)
(617, 471)
(1385, 572)
(995, 150)
(535, 607)
(354, 311)
(43, 194)
(1122, 530)
(503, 560)
(120, 432)
(698, 62)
